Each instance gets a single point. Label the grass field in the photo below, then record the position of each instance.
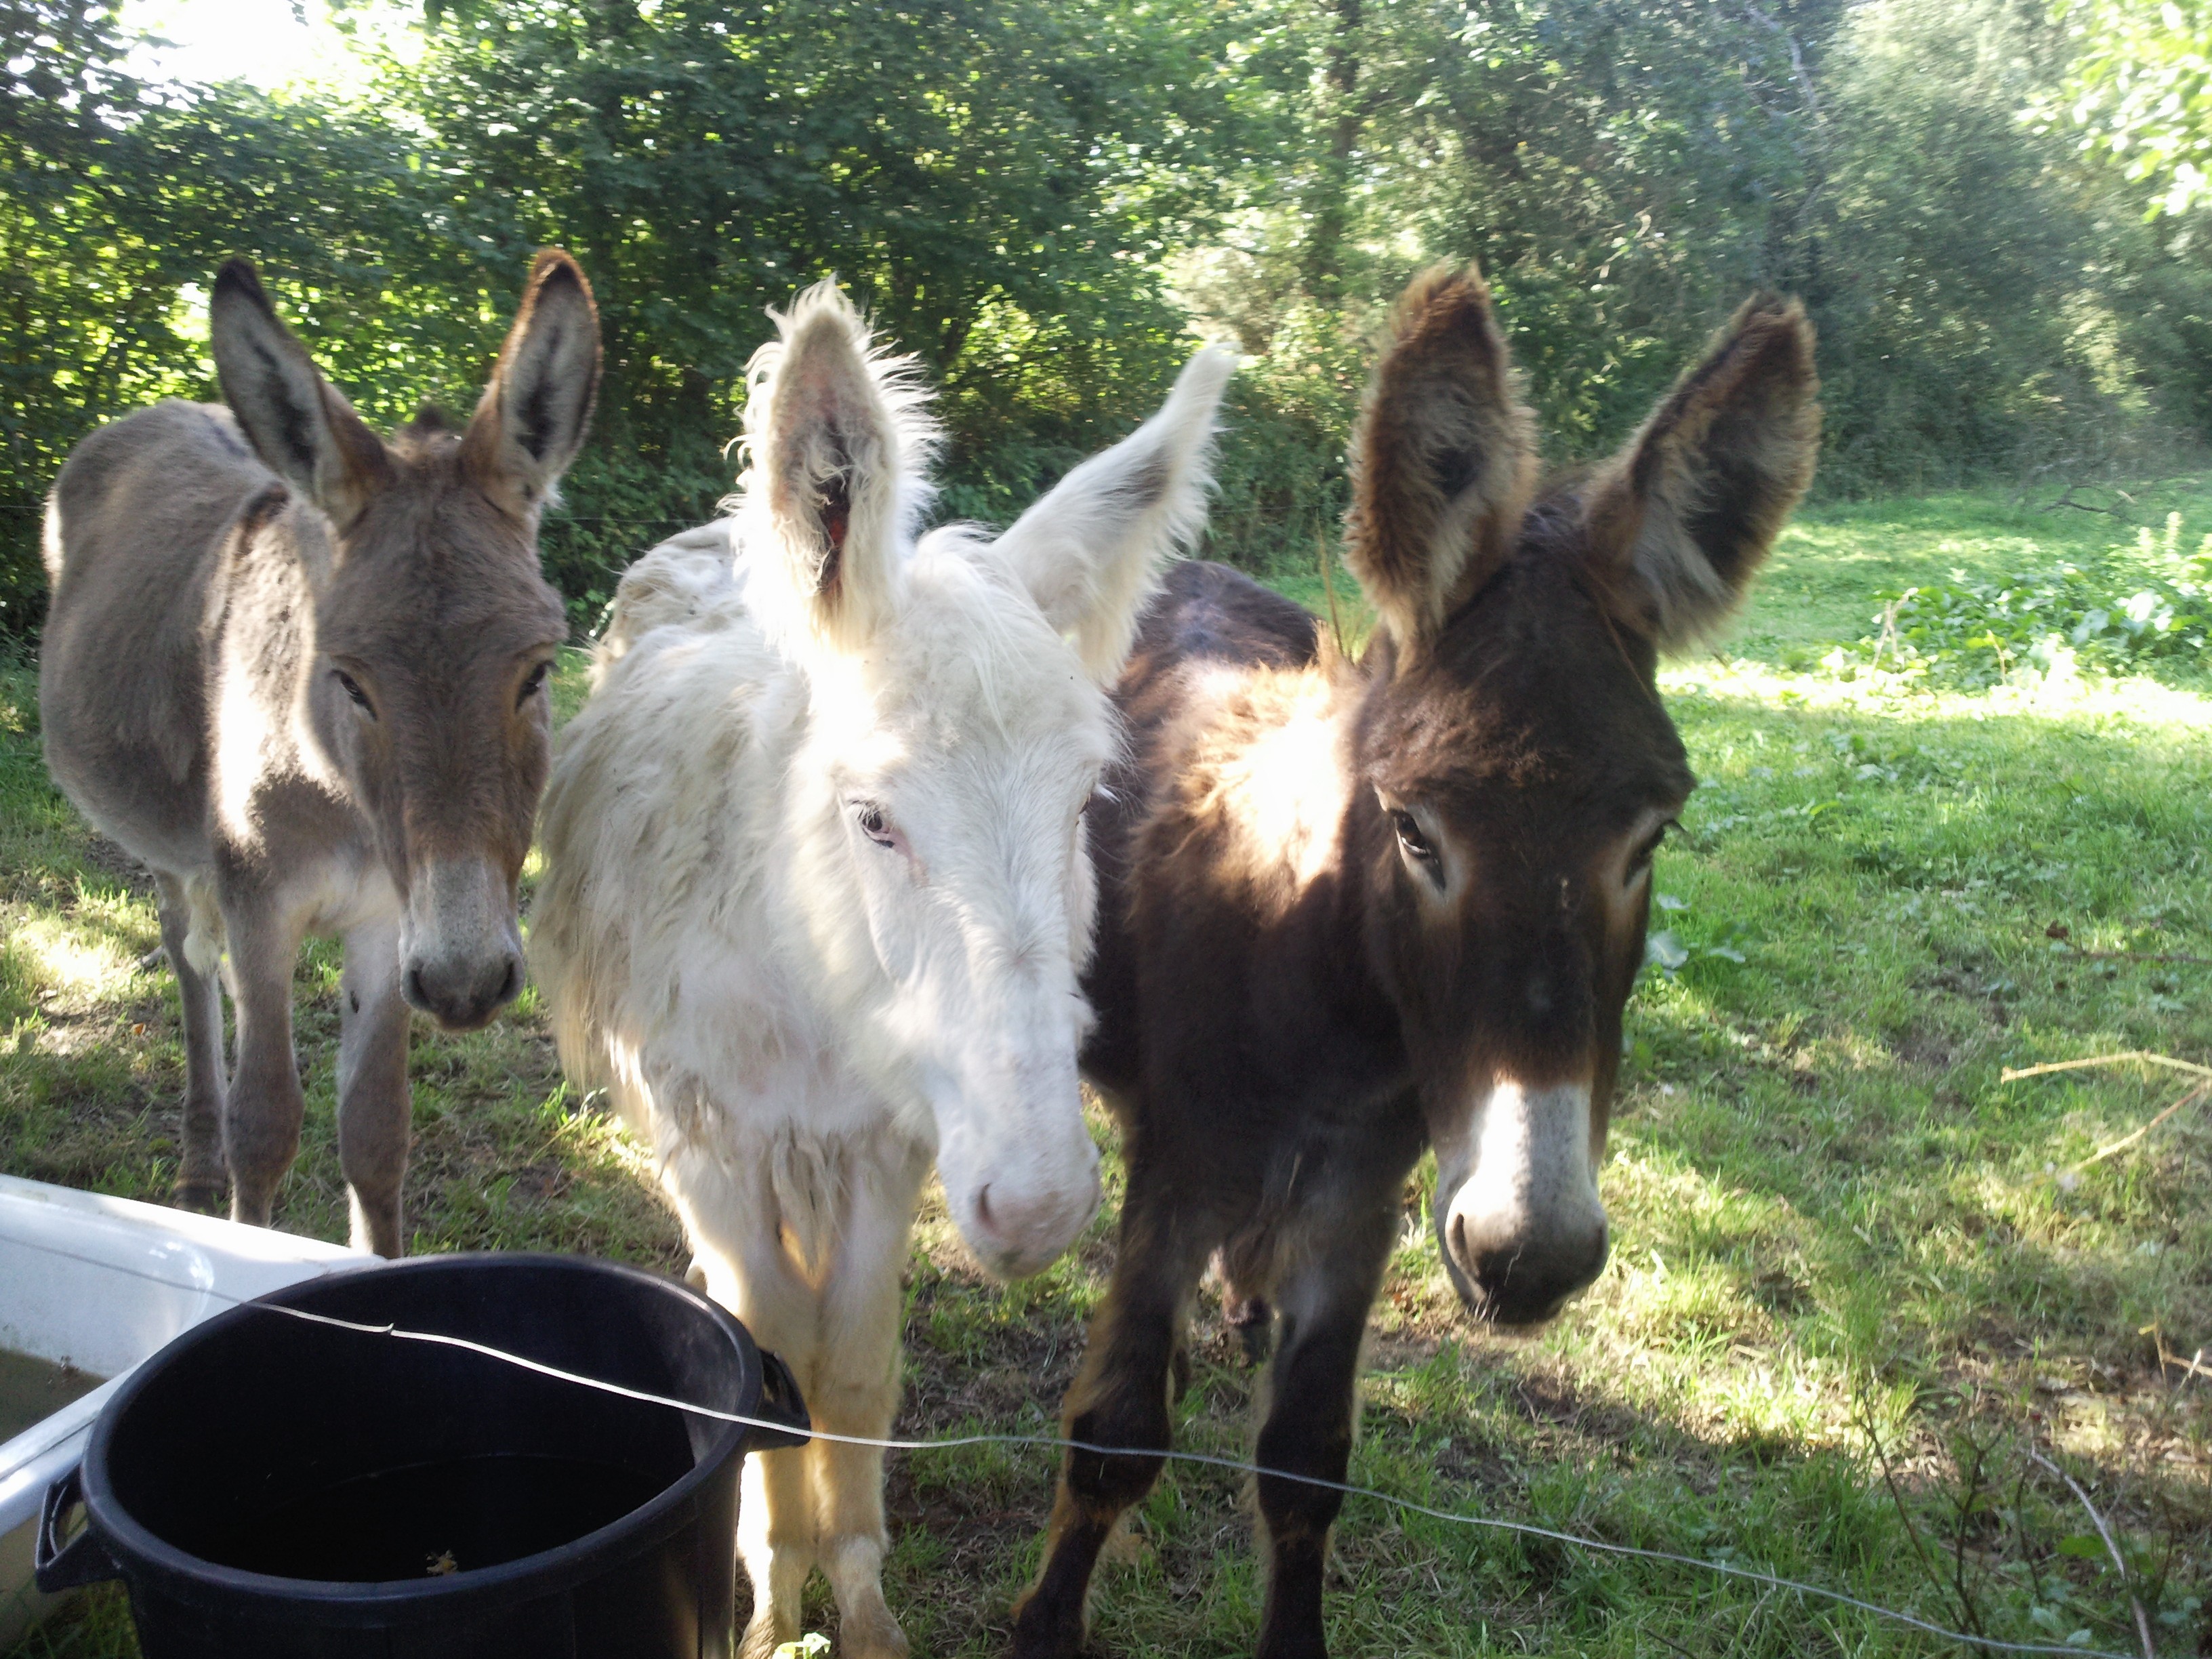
(1859, 1283)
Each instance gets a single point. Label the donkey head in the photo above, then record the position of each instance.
(957, 723)
(1520, 766)
(433, 631)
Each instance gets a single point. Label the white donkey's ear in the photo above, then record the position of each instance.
(1089, 550)
(839, 438)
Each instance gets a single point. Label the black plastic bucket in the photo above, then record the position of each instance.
(269, 1488)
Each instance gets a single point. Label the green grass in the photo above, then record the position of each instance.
(1857, 1277)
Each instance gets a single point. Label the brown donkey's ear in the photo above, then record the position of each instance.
(531, 421)
(1681, 520)
(298, 423)
(1444, 457)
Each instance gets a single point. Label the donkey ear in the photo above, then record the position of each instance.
(531, 421)
(298, 423)
(1681, 520)
(837, 435)
(1088, 552)
(1444, 457)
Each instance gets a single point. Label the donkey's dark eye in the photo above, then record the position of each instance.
(534, 684)
(353, 690)
(876, 826)
(1410, 838)
(1641, 859)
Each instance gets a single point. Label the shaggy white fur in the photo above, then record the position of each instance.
(817, 897)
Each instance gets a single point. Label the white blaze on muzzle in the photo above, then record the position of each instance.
(1517, 1206)
(460, 951)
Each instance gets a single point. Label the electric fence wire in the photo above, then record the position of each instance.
(954, 1443)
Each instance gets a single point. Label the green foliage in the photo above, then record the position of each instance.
(2136, 609)
(2141, 85)
(1041, 198)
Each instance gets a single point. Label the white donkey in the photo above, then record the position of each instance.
(817, 894)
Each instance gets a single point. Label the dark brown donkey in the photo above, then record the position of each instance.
(300, 673)
(1351, 910)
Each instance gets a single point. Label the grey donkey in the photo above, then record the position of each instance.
(299, 671)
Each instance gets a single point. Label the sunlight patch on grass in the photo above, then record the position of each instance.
(73, 958)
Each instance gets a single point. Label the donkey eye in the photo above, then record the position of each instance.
(1410, 838)
(534, 684)
(353, 690)
(1641, 859)
(876, 826)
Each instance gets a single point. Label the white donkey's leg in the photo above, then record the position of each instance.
(730, 1214)
(854, 1388)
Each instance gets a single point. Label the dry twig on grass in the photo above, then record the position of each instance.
(2142, 1618)
(2139, 1057)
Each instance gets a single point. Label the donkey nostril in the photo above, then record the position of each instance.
(1458, 1234)
(414, 988)
(983, 1207)
(511, 984)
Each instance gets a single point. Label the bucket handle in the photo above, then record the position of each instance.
(84, 1560)
(780, 1402)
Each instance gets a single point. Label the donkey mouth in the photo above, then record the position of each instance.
(1519, 1289)
(467, 1001)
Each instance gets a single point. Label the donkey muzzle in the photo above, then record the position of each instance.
(1523, 1229)
(1019, 1233)
(460, 950)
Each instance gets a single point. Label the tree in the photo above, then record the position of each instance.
(2141, 87)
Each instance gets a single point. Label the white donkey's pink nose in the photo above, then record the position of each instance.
(1020, 1233)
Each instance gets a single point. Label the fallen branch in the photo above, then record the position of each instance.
(2141, 1057)
(2067, 500)
(2142, 1618)
(2166, 1357)
(2126, 1141)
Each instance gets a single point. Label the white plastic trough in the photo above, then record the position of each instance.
(101, 1284)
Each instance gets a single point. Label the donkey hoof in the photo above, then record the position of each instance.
(1044, 1629)
(208, 1197)
(873, 1634)
(764, 1634)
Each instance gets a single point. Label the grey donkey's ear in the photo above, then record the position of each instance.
(1681, 520)
(1444, 457)
(298, 423)
(1089, 551)
(532, 419)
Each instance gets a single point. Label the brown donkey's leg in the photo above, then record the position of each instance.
(374, 1121)
(1120, 1399)
(261, 1118)
(1314, 1403)
(202, 1175)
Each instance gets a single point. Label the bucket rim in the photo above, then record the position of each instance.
(184, 1576)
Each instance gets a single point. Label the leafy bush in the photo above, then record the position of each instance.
(2137, 607)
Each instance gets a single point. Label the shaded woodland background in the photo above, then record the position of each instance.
(1045, 198)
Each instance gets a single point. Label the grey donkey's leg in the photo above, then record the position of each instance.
(374, 1120)
(202, 1176)
(261, 1120)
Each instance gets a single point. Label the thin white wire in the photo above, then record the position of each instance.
(954, 1443)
